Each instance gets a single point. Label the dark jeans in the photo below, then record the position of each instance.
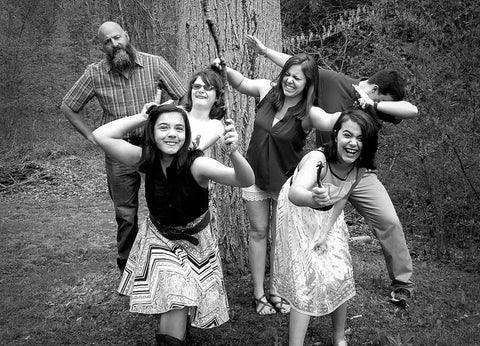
(123, 185)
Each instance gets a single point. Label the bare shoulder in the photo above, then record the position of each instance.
(314, 155)
(217, 126)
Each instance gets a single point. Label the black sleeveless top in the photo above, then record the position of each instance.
(175, 199)
(274, 151)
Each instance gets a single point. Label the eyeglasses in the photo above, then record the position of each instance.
(206, 87)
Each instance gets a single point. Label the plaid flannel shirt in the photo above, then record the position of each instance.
(120, 95)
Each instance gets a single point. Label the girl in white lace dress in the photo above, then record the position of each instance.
(312, 265)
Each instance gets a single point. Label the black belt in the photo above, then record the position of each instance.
(180, 232)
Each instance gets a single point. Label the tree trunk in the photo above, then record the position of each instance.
(196, 49)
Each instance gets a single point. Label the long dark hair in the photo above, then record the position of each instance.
(369, 127)
(309, 95)
(150, 152)
(213, 77)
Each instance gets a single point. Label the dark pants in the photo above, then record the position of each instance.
(123, 185)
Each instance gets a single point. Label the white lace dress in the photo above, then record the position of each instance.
(315, 282)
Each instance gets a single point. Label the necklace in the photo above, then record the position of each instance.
(346, 175)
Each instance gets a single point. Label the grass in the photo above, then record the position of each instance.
(58, 282)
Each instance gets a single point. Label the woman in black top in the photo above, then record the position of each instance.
(285, 115)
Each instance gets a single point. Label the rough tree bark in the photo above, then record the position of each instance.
(196, 49)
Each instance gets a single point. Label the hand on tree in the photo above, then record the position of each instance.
(255, 44)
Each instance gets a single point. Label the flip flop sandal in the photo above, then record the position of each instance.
(280, 306)
(264, 303)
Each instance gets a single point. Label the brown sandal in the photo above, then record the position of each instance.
(261, 304)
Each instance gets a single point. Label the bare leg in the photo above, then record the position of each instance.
(174, 323)
(279, 304)
(259, 217)
(273, 232)
(338, 322)
(297, 328)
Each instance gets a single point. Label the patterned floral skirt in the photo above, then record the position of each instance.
(162, 275)
(315, 282)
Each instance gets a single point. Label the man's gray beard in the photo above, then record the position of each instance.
(122, 59)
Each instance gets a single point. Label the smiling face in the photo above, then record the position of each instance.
(169, 133)
(203, 94)
(294, 81)
(349, 142)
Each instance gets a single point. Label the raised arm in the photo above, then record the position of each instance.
(304, 192)
(251, 87)
(321, 120)
(205, 169)
(110, 137)
(398, 109)
(276, 57)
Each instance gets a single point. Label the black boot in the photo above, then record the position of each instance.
(121, 263)
(167, 340)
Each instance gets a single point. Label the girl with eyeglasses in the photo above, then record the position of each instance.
(205, 108)
(174, 269)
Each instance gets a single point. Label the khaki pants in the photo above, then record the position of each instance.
(372, 201)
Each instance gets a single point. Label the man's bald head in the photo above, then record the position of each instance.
(109, 28)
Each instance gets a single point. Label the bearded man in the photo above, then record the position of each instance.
(123, 82)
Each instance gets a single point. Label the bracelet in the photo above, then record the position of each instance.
(375, 104)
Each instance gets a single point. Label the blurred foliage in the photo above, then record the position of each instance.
(429, 165)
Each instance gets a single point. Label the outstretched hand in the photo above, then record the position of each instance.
(321, 196)
(364, 99)
(255, 44)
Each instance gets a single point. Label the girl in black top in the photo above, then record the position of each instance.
(174, 267)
